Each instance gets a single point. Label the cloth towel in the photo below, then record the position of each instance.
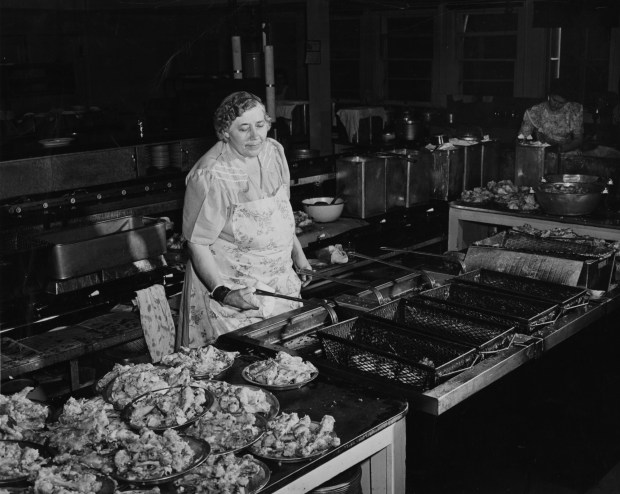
(156, 320)
(350, 118)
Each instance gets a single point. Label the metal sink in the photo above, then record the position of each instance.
(87, 249)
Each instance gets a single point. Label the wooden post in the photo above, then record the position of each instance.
(270, 86)
(236, 56)
(319, 78)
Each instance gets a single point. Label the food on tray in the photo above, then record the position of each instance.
(203, 361)
(234, 399)
(516, 197)
(282, 370)
(85, 426)
(225, 431)
(150, 455)
(169, 407)
(289, 436)
(19, 460)
(225, 474)
(20, 417)
(67, 479)
(132, 381)
(332, 254)
(302, 221)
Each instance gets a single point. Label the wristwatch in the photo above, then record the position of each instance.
(219, 293)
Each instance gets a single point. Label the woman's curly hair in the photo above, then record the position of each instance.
(232, 106)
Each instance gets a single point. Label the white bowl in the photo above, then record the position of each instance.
(324, 212)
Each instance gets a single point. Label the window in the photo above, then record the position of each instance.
(345, 58)
(409, 58)
(488, 52)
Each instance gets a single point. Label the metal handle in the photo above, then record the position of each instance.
(381, 261)
(443, 257)
(313, 274)
(322, 303)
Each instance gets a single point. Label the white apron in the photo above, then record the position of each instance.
(260, 255)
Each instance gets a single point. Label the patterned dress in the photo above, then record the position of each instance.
(250, 232)
(560, 125)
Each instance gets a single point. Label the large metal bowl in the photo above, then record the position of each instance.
(573, 178)
(569, 198)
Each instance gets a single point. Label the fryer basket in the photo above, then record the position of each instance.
(386, 350)
(566, 296)
(528, 314)
(486, 336)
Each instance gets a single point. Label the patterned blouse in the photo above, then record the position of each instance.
(560, 125)
(218, 181)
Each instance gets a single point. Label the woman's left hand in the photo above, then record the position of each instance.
(302, 263)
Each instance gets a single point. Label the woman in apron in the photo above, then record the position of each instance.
(556, 121)
(239, 227)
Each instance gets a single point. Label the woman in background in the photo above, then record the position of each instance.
(239, 226)
(557, 121)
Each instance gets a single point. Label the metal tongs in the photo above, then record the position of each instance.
(380, 298)
(322, 303)
(449, 259)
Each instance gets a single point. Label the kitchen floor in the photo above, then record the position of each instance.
(550, 427)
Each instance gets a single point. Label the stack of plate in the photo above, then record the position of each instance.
(176, 154)
(160, 156)
(348, 482)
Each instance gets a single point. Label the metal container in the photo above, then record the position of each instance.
(407, 178)
(532, 163)
(446, 172)
(87, 249)
(569, 198)
(360, 181)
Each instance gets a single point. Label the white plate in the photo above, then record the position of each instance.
(245, 373)
(56, 143)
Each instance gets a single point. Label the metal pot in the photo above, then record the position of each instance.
(557, 199)
(411, 130)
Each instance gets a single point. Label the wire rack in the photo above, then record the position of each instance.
(377, 347)
(577, 248)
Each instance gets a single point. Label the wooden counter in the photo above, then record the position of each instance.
(468, 223)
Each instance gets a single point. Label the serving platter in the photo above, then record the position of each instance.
(254, 449)
(246, 374)
(256, 483)
(44, 452)
(201, 451)
(217, 449)
(270, 398)
(128, 411)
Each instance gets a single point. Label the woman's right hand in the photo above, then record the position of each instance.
(240, 298)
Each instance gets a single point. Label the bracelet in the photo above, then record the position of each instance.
(219, 293)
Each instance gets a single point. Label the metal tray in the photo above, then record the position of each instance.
(413, 313)
(87, 249)
(381, 348)
(564, 295)
(527, 313)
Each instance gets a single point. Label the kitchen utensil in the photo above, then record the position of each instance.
(322, 303)
(446, 258)
(380, 298)
(569, 198)
(324, 209)
(381, 261)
